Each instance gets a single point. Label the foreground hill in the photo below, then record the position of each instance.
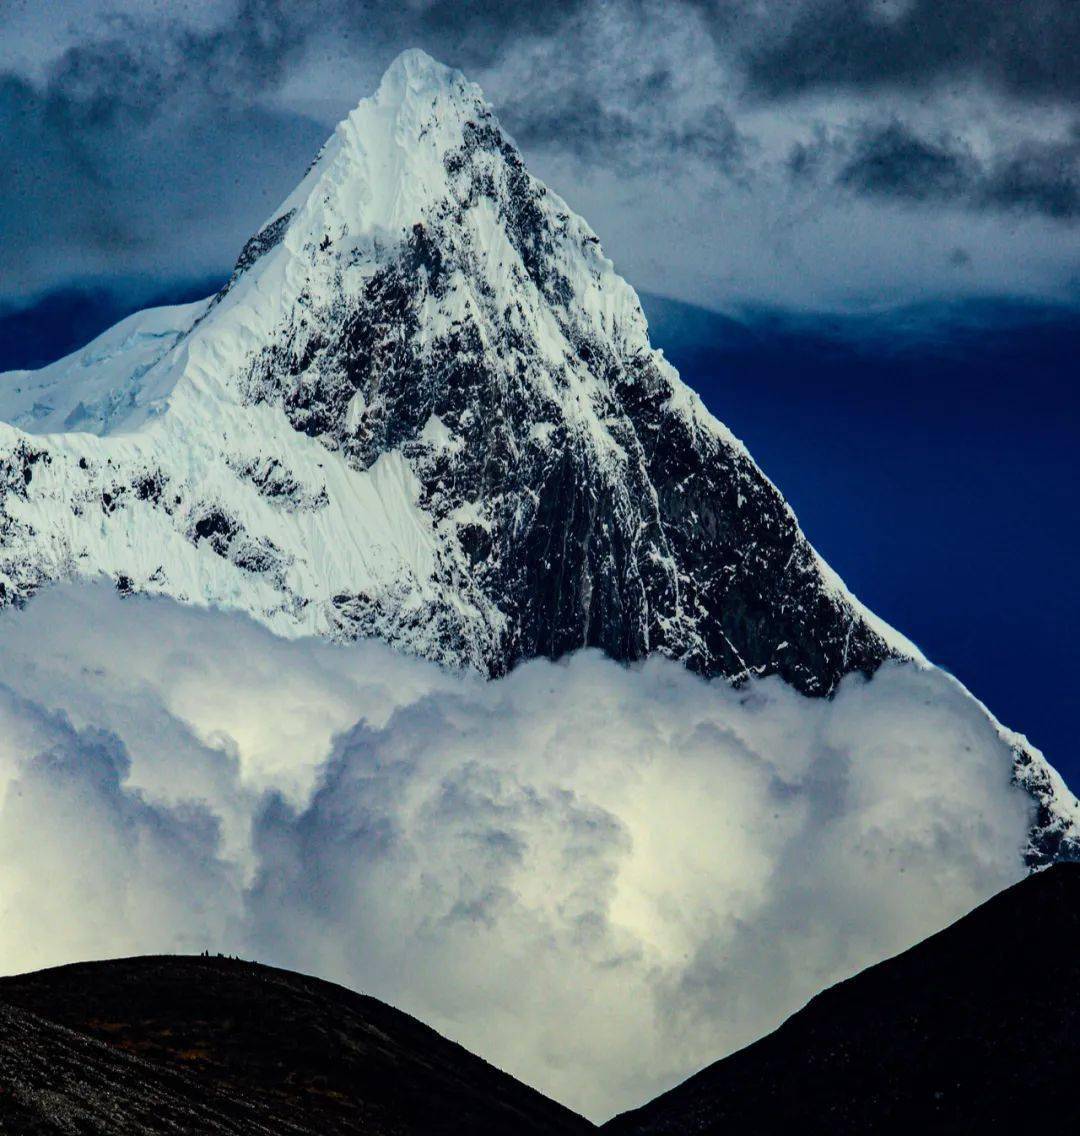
(208, 1045)
(976, 1029)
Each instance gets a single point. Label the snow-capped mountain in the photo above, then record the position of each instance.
(425, 408)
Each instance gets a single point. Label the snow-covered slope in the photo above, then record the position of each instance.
(425, 407)
(98, 389)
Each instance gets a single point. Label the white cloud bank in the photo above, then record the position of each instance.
(598, 878)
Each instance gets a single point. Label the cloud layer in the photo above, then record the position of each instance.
(683, 131)
(599, 878)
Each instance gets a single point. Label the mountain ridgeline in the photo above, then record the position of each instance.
(580, 496)
(425, 408)
(434, 303)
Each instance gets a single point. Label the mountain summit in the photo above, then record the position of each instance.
(425, 408)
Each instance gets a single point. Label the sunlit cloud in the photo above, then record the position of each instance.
(598, 877)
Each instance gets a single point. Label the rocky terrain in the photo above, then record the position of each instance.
(426, 408)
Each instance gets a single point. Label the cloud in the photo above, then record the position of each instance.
(894, 162)
(584, 101)
(88, 862)
(155, 145)
(1027, 51)
(1038, 176)
(598, 877)
(148, 129)
(475, 34)
(672, 127)
(630, 138)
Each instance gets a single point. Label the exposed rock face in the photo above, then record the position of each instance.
(425, 408)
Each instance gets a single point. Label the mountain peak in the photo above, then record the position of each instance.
(425, 98)
(425, 408)
(416, 72)
(385, 163)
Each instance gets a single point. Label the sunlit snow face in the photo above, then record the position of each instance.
(599, 878)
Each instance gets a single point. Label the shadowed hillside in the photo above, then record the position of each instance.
(975, 1029)
(211, 1045)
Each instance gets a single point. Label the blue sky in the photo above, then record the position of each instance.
(871, 207)
(931, 457)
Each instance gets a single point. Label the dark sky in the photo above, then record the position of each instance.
(811, 153)
(882, 196)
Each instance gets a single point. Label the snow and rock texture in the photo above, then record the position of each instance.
(425, 408)
(96, 389)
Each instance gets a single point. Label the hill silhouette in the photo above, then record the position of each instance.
(975, 1029)
(214, 1045)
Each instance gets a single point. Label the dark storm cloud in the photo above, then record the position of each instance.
(131, 137)
(577, 121)
(1023, 48)
(714, 137)
(474, 33)
(1038, 177)
(154, 143)
(806, 158)
(142, 70)
(636, 134)
(149, 127)
(893, 161)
